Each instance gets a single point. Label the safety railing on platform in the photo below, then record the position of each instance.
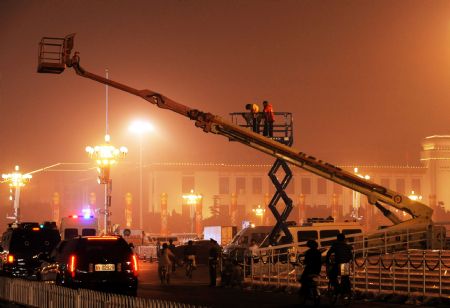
(383, 262)
(39, 294)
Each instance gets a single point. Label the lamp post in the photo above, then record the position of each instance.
(413, 197)
(357, 196)
(16, 180)
(193, 200)
(140, 128)
(259, 212)
(105, 156)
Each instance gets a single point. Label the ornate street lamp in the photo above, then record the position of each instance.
(105, 156)
(16, 180)
(357, 196)
(194, 201)
(414, 197)
(259, 212)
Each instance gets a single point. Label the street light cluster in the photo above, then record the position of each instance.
(105, 156)
(16, 179)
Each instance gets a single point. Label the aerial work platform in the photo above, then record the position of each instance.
(282, 126)
(53, 52)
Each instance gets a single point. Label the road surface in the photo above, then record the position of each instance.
(196, 291)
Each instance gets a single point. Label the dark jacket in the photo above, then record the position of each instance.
(190, 250)
(313, 262)
(343, 253)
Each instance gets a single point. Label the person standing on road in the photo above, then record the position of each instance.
(253, 248)
(189, 253)
(212, 262)
(171, 247)
(252, 253)
(343, 253)
(312, 266)
(165, 263)
(269, 118)
(158, 249)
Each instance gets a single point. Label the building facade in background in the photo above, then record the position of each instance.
(229, 194)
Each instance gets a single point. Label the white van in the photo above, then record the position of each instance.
(78, 225)
(323, 231)
(241, 241)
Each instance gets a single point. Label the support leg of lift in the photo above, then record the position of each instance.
(280, 193)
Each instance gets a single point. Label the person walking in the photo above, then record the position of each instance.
(343, 253)
(212, 262)
(312, 266)
(171, 247)
(269, 118)
(165, 263)
(190, 253)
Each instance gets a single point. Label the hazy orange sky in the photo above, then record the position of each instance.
(365, 80)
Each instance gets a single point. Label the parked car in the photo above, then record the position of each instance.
(103, 263)
(23, 244)
(202, 251)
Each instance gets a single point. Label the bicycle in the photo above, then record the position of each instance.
(189, 268)
(339, 286)
(164, 274)
(310, 291)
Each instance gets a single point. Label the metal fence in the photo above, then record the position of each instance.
(383, 263)
(38, 294)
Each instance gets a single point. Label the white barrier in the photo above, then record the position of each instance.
(146, 252)
(39, 294)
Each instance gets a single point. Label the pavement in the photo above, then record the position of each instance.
(196, 291)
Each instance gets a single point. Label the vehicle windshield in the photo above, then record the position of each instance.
(237, 237)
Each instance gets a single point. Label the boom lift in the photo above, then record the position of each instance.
(55, 56)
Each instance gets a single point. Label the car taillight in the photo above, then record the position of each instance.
(135, 264)
(10, 258)
(72, 265)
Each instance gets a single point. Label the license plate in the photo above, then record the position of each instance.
(104, 267)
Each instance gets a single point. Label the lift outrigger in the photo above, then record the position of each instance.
(55, 54)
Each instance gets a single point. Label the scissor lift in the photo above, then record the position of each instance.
(283, 133)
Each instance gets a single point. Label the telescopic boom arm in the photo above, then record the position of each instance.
(377, 195)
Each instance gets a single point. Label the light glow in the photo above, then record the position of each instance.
(108, 238)
(141, 127)
(192, 198)
(414, 197)
(135, 264)
(17, 179)
(259, 211)
(72, 264)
